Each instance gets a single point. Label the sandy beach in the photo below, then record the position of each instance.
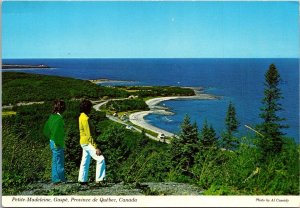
(138, 117)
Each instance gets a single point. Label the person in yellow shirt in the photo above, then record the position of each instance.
(89, 147)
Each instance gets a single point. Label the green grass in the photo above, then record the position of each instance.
(8, 113)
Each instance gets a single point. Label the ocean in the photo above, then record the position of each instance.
(240, 81)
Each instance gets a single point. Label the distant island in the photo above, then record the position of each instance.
(23, 66)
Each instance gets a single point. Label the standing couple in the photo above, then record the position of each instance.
(54, 130)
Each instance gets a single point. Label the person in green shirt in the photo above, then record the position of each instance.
(54, 130)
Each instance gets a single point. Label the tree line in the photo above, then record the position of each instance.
(127, 105)
(259, 164)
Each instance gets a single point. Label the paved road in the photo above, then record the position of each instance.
(115, 119)
(97, 106)
(21, 104)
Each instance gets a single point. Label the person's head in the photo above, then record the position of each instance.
(59, 106)
(85, 106)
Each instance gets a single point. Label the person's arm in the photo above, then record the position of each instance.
(46, 130)
(59, 132)
(92, 141)
(86, 128)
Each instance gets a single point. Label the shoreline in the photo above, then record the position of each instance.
(138, 117)
(104, 80)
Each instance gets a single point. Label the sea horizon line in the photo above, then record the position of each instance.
(153, 58)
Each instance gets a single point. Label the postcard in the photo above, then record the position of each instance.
(150, 103)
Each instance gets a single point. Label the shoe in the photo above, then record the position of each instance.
(56, 183)
(64, 181)
(83, 183)
(100, 183)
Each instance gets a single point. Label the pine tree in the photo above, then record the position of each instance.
(232, 124)
(231, 121)
(271, 126)
(185, 147)
(208, 136)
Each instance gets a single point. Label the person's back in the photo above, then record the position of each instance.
(89, 147)
(86, 135)
(54, 130)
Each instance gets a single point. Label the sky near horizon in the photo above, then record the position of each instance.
(150, 29)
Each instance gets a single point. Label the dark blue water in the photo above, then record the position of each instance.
(237, 80)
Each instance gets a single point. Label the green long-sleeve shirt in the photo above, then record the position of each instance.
(54, 129)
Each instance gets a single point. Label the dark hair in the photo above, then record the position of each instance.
(59, 106)
(85, 106)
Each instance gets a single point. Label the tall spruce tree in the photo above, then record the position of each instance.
(185, 147)
(232, 124)
(271, 126)
(208, 136)
(231, 121)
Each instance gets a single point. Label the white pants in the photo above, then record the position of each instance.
(89, 151)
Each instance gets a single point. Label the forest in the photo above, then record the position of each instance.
(220, 164)
(23, 87)
(157, 91)
(127, 105)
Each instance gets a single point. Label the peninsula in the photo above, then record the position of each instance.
(23, 66)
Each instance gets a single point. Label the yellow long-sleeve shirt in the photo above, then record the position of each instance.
(84, 129)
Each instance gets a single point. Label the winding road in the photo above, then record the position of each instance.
(137, 118)
(134, 121)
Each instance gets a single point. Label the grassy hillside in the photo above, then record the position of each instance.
(23, 87)
(27, 157)
(26, 153)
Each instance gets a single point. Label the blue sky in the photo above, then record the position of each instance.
(150, 29)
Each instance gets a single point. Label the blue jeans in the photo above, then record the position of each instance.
(58, 163)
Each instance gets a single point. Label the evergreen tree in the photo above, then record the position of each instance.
(185, 147)
(232, 124)
(271, 126)
(231, 121)
(208, 136)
